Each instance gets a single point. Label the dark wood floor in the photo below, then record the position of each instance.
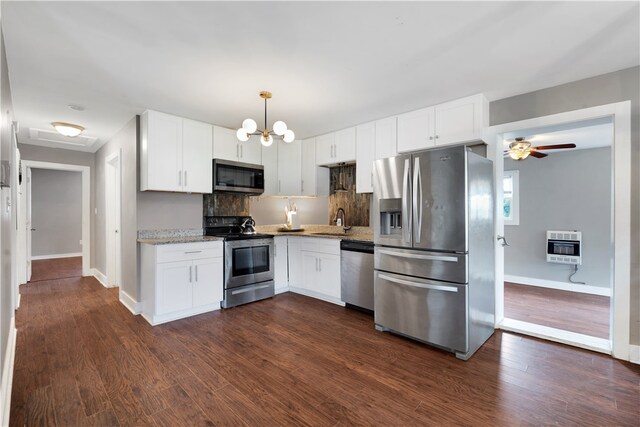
(570, 311)
(56, 268)
(83, 359)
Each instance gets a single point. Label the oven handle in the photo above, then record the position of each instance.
(254, 288)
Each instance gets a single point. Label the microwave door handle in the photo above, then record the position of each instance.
(417, 200)
(406, 214)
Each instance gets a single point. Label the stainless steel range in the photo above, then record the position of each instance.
(248, 259)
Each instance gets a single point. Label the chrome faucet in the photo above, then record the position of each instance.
(344, 220)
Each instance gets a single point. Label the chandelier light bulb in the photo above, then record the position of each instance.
(249, 125)
(289, 136)
(242, 135)
(266, 141)
(279, 127)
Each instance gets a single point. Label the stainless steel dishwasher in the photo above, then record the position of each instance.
(356, 272)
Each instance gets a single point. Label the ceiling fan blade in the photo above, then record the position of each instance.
(537, 154)
(554, 147)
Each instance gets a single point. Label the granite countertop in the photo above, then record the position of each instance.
(322, 231)
(174, 236)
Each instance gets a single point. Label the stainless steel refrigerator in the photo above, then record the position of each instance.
(434, 254)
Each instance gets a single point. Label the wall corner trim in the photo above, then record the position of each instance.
(7, 374)
(132, 305)
(634, 354)
(571, 287)
(99, 277)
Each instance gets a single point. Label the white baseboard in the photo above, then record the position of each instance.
(316, 295)
(134, 306)
(164, 318)
(52, 256)
(99, 277)
(281, 290)
(634, 354)
(18, 301)
(572, 287)
(7, 374)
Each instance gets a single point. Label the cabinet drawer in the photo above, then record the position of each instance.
(320, 245)
(189, 251)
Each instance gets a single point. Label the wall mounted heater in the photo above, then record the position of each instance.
(564, 247)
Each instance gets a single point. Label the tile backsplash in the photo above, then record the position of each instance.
(225, 204)
(356, 205)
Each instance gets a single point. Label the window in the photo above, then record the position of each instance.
(511, 202)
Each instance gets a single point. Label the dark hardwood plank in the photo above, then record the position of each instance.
(289, 360)
(56, 268)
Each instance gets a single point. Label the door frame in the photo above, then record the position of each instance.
(113, 218)
(620, 113)
(86, 203)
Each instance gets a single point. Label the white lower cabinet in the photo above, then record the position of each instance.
(314, 268)
(180, 280)
(280, 267)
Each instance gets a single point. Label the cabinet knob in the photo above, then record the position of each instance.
(430, 138)
(437, 136)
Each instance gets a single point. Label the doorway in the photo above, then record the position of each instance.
(74, 262)
(619, 255)
(113, 191)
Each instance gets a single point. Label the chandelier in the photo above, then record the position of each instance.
(250, 127)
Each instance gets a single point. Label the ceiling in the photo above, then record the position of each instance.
(329, 65)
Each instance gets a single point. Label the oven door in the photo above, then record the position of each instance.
(247, 261)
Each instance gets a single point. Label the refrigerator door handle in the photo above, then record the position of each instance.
(417, 284)
(417, 200)
(417, 256)
(406, 215)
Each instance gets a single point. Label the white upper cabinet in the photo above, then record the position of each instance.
(416, 130)
(227, 146)
(196, 156)
(289, 168)
(365, 143)
(336, 147)
(315, 179)
(270, 163)
(454, 122)
(175, 154)
(386, 138)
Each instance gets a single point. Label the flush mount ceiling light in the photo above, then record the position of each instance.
(67, 129)
(250, 127)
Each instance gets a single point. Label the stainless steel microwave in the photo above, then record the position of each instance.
(237, 177)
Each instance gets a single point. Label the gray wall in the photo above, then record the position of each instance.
(605, 89)
(125, 142)
(7, 220)
(56, 206)
(157, 211)
(57, 155)
(270, 210)
(550, 201)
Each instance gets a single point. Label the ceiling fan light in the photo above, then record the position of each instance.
(279, 127)
(67, 129)
(266, 141)
(242, 135)
(289, 136)
(249, 125)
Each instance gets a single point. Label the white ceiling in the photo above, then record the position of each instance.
(329, 65)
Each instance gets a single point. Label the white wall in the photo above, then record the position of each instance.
(56, 212)
(564, 191)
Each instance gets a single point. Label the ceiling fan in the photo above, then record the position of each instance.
(520, 149)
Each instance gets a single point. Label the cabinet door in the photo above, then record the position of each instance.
(197, 144)
(345, 145)
(225, 144)
(416, 130)
(281, 274)
(294, 262)
(310, 271)
(461, 120)
(386, 138)
(163, 147)
(174, 286)
(325, 149)
(365, 139)
(251, 150)
(270, 163)
(208, 286)
(329, 279)
(289, 168)
(315, 179)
